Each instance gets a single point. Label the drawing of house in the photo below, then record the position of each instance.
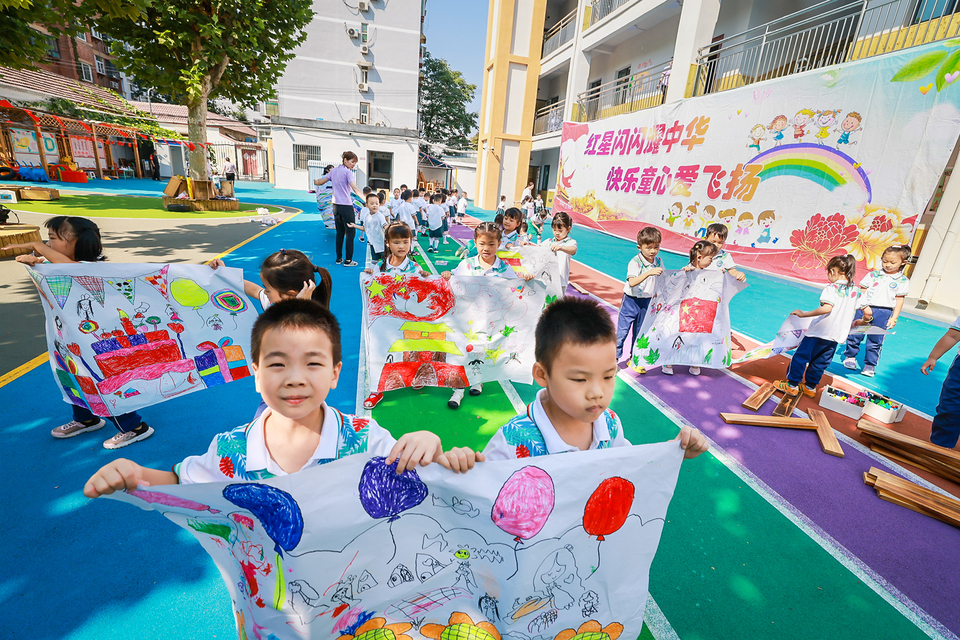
(425, 348)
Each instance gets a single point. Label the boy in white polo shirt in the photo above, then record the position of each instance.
(461, 207)
(723, 261)
(296, 348)
(642, 272)
(576, 363)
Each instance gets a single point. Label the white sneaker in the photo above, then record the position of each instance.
(667, 369)
(868, 371)
(476, 389)
(694, 371)
(74, 428)
(455, 399)
(851, 363)
(127, 438)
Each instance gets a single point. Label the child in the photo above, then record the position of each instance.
(563, 246)
(723, 261)
(945, 430)
(451, 203)
(884, 291)
(398, 237)
(838, 305)
(406, 212)
(642, 272)
(435, 219)
(364, 212)
(74, 240)
(461, 207)
(511, 228)
(486, 237)
(373, 226)
(576, 365)
(502, 207)
(286, 274)
(524, 237)
(702, 254)
(421, 214)
(498, 220)
(296, 353)
(538, 207)
(527, 207)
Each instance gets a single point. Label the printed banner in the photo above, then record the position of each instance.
(799, 169)
(82, 152)
(50, 149)
(25, 145)
(688, 321)
(431, 332)
(553, 550)
(126, 336)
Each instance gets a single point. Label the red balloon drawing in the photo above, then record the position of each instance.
(524, 503)
(608, 507)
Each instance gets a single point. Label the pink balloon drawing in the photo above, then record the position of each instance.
(524, 503)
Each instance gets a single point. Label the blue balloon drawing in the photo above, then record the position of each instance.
(277, 511)
(384, 493)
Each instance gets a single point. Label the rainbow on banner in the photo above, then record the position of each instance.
(823, 165)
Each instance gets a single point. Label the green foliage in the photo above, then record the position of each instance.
(652, 357)
(643, 342)
(444, 96)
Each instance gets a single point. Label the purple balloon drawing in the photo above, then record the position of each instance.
(384, 493)
(277, 511)
(524, 503)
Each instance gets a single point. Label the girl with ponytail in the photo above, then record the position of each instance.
(71, 239)
(288, 273)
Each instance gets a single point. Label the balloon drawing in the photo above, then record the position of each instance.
(188, 293)
(384, 493)
(524, 503)
(608, 507)
(229, 301)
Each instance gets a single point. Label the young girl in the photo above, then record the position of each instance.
(701, 256)
(884, 291)
(286, 274)
(524, 237)
(528, 208)
(511, 228)
(838, 305)
(73, 239)
(486, 237)
(502, 206)
(398, 238)
(563, 246)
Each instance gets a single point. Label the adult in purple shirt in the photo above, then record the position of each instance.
(343, 183)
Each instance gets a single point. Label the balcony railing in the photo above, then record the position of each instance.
(624, 95)
(600, 9)
(549, 118)
(828, 33)
(559, 34)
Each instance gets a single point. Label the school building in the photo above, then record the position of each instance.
(551, 61)
(353, 86)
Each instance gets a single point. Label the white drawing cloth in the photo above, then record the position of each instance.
(883, 289)
(429, 544)
(563, 259)
(504, 445)
(637, 266)
(835, 326)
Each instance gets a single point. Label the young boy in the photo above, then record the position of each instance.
(421, 211)
(723, 261)
(461, 207)
(364, 212)
(435, 218)
(576, 363)
(373, 225)
(502, 207)
(945, 430)
(406, 212)
(642, 272)
(511, 228)
(296, 351)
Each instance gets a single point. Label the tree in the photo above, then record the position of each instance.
(23, 46)
(205, 49)
(444, 96)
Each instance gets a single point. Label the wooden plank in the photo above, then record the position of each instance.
(759, 397)
(768, 421)
(913, 496)
(825, 433)
(787, 404)
(885, 479)
(948, 456)
(928, 464)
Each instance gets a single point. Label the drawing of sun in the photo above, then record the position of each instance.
(591, 630)
(378, 629)
(461, 627)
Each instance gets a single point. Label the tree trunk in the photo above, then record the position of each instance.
(197, 132)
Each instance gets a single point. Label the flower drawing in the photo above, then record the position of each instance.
(878, 228)
(823, 238)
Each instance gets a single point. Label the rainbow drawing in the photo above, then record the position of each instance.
(824, 165)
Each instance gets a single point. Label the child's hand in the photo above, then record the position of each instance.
(797, 312)
(24, 245)
(307, 291)
(689, 267)
(527, 276)
(446, 275)
(460, 459)
(417, 448)
(119, 475)
(740, 275)
(891, 323)
(28, 259)
(368, 271)
(692, 442)
(424, 274)
(656, 271)
(928, 366)
(216, 264)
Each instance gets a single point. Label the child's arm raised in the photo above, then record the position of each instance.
(649, 273)
(736, 273)
(822, 310)
(251, 289)
(944, 344)
(125, 475)
(52, 255)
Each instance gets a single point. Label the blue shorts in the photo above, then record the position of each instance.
(436, 233)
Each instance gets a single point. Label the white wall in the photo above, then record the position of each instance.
(647, 51)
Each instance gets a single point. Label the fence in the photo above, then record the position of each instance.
(250, 159)
(549, 118)
(559, 34)
(624, 95)
(600, 9)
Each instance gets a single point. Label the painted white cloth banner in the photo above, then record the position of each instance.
(430, 332)
(789, 336)
(538, 260)
(688, 321)
(525, 549)
(125, 336)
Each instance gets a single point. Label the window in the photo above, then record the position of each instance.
(304, 153)
(545, 178)
(363, 32)
(96, 34)
(364, 113)
(272, 107)
(86, 72)
(364, 75)
(112, 69)
(623, 86)
(82, 36)
(53, 47)
(101, 68)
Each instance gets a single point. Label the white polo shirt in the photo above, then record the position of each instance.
(637, 266)
(883, 289)
(835, 326)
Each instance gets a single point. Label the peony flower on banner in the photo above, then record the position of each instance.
(878, 228)
(823, 238)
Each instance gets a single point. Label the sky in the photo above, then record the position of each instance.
(456, 31)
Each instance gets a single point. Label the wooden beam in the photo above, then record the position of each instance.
(921, 462)
(760, 396)
(787, 404)
(948, 456)
(43, 154)
(825, 433)
(768, 421)
(912, 496)
(137, 166)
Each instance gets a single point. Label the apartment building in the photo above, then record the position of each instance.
(584, 61)
(353, 86)
(85, 58)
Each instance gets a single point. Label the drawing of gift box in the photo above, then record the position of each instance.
(221, 363)
(697, 315)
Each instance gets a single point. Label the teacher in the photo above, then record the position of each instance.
(343, 183)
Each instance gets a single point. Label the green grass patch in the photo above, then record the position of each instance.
(108, 206)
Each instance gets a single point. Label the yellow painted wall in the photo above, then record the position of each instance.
(896, 39)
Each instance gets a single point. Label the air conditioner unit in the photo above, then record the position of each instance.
(353, 33)
(363, 5)
(352, 121)
(364, 49)
(363, 87)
